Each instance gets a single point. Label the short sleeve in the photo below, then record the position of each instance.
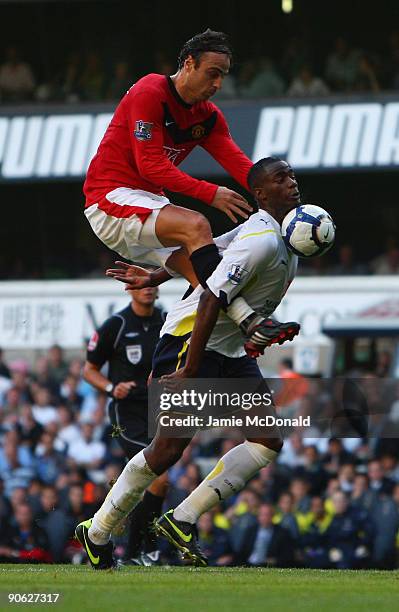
(241, 262)
(102, 341)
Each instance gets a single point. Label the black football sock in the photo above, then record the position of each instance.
(152, 509)
(204, 261)
(136, 533)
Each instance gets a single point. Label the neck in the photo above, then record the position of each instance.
(142, 310)
(182, 89)
(272, 211)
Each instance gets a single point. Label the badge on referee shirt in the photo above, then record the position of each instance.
(134, 353)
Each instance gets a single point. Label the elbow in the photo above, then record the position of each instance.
(86, 372)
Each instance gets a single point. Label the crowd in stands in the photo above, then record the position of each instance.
(326, 503)
(88, 77)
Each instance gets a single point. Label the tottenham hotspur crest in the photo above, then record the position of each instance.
(143, 130)
(134, 353)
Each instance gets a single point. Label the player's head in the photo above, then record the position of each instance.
(273, 184)
(204, 61)
(145, 297)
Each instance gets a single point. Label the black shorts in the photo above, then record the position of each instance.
(130, 426)
(171, 352)
(170, 355)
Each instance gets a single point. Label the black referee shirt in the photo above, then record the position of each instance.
(127, 342)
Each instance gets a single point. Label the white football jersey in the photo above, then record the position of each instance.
(255, 264)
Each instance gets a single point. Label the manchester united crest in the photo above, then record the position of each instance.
(197, 131)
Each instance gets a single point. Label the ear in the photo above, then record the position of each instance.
(189, 63)
(258, 193)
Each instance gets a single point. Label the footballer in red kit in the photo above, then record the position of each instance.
(156, 125)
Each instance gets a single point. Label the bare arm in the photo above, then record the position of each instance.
(207, 314)
(92, 374)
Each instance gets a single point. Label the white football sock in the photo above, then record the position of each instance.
(228, 476)
(123, 497)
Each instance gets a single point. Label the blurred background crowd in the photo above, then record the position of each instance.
(326, 503)
(90, 75)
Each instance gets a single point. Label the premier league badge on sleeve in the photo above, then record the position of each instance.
(143, 130)
(236, 274)
(134, 353)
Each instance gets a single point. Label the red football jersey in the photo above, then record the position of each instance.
(151, 132)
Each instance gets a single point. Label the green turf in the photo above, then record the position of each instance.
(206, 590)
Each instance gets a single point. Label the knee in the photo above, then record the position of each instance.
(199, 227)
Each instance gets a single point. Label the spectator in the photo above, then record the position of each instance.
(342, 66)
(361, 496)
(24, 542)
(348, 535)
(378, 481)
(86, 452)
(285, 516)
(54, 522)
(299, 489)
(69, 393)
(347, 266)
(213, 541)
(385, 518)
(266, 543)
(68, 82)
(120, 82)
(265, 83)
(312, 471)
(28, 429)
(93, 79)
(313, 539)
(68, 430)
(42, 410)
(336, 456)
(43, 377)
(17, 82)
(57, 365)
(388, 262)
(305, 84)
(48, 461)
(366, 79)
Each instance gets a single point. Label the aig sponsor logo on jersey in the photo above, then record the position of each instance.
(236, 274)
(134, 353)
(143, 130)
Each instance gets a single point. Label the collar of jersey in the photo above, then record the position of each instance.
(268, 217)
(175, 94)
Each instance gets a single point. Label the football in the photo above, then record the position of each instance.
(308, 230)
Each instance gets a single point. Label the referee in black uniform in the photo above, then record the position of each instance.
(126, 341)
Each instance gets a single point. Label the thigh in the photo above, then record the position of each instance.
(175, 225)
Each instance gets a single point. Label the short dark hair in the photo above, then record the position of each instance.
(208, 41)
(256, 172)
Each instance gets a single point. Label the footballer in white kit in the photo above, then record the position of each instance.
(257, 265)
(199, 341)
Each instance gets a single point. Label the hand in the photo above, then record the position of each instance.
(231, 203)
(122, 389)
(134, 276)
(174, 382)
